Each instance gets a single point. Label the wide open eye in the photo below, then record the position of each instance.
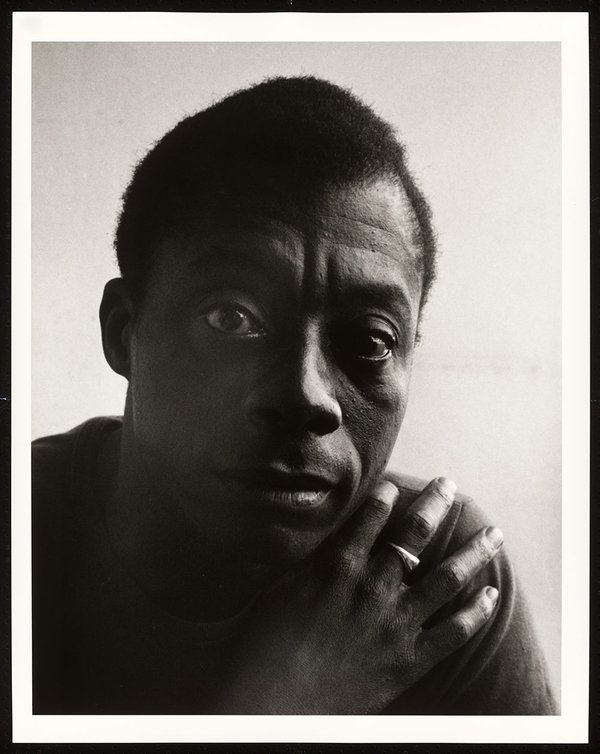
(370, 340)
(373, 345)
(234, 315)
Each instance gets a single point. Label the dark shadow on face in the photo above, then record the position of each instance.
(270, 362)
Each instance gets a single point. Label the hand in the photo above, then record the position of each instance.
(342, 633)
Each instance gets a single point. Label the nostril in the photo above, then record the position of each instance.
(296, 394)
(318, 420)
(324, 423)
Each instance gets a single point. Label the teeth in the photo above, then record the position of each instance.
(305, 498)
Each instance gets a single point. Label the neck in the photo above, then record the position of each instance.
(179, 567)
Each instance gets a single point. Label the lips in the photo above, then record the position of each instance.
(288, 489)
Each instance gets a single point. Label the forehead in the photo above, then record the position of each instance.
(356, 233)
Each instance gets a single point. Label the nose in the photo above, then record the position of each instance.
(297, 393)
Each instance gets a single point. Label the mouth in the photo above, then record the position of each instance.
(277, 488)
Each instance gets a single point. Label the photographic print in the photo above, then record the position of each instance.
(297, 346)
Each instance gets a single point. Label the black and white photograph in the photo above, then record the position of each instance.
(297, 341)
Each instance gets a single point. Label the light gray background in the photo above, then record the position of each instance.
(482, 125)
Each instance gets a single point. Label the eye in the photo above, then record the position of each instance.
(375, 345)
(235, 316)
(370, 340)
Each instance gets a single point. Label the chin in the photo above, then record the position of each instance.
(260, 527)
(281, 547)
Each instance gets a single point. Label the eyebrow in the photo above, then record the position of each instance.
(262, 259)
(377, 294)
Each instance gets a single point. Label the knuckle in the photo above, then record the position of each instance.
(372, 590)
(462, 629)
(439, 491)
(420, 525)
(377, 510)
(452, 577)
(345, 563)
(483, 549)
(407, 618)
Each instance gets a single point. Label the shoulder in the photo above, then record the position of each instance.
(63, 530)
(502, 669)
(410, 487)
(64, 510)
(464, 519)
(57, 448)
(63, 463)
(60, 440)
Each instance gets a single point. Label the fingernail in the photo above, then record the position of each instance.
(494, 535)
(385, 491)
(446, 488)
(492, 594)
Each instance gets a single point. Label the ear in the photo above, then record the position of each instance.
(116, 320)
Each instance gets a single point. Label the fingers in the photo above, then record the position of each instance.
(415, 531)
(425, 515)
(358, 535)
(448, 636)
(452, 575)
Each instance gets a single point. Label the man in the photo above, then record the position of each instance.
(233, 545)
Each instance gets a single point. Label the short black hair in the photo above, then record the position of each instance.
(310, 130)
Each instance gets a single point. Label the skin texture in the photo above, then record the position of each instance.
(204, 403)
(269, 367)
(341, 633)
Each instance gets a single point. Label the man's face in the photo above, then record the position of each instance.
(270, 363)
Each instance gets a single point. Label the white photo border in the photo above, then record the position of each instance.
(571, 30)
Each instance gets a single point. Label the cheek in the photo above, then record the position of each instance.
(184, 399)
(373, 422)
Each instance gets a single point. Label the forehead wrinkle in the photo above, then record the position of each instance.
(374, 225)
(370, 250)
(393, 238)
(405, 270)
(389, 286)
